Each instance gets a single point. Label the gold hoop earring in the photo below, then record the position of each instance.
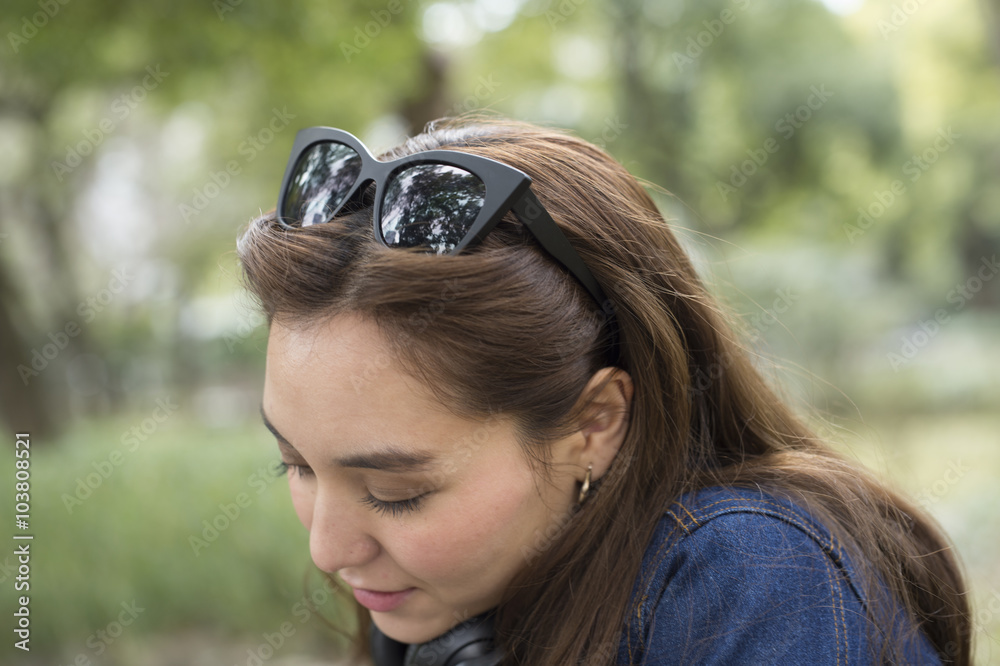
(586, 486)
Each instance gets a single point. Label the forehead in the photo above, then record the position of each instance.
(337, 340)
(339, 380)
(344, 356)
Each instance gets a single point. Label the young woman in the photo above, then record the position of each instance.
(502, 389)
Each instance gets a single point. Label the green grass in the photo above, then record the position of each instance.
(130, 538)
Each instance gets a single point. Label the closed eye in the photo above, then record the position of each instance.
(383, 507)
(303, 470)
(394, 508)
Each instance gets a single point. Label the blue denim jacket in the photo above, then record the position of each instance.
(735, 576)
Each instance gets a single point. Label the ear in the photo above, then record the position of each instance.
(605, 420)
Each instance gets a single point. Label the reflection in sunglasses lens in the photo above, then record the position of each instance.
(431, 205)
(322, 178)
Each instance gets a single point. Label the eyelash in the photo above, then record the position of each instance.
(383, 507)
(304, 470)
(394, 508)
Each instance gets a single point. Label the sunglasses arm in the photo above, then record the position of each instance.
(533, 215)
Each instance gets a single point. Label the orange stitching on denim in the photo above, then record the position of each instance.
(693, 519)
(679, 521)
(744, 499)
(785, 513)
(833, 591)
(731, 499)
(843, 612)
(833, 550)
(792, 518)
(654, 566)
(783, 510)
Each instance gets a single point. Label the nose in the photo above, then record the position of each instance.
(338, 537)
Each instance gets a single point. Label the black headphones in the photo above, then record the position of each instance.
(467, 644)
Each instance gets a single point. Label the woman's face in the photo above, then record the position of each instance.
(365, 434)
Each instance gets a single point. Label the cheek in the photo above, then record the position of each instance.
(475, 539)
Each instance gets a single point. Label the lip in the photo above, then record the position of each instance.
(381, 602)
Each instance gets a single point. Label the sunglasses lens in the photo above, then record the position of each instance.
(322, 178)
(432, 206)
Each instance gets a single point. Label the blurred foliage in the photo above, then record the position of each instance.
(834, 174)
(140, 135)
(190, 527)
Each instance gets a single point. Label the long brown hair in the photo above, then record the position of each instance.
(519, 336)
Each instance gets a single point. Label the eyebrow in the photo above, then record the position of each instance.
(389, 458)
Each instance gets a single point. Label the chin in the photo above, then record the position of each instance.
(406, 631)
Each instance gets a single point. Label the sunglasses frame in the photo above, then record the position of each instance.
(507, 189)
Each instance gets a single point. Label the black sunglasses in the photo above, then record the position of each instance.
(441, 200)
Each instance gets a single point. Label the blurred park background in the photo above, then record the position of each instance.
(833, 166)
